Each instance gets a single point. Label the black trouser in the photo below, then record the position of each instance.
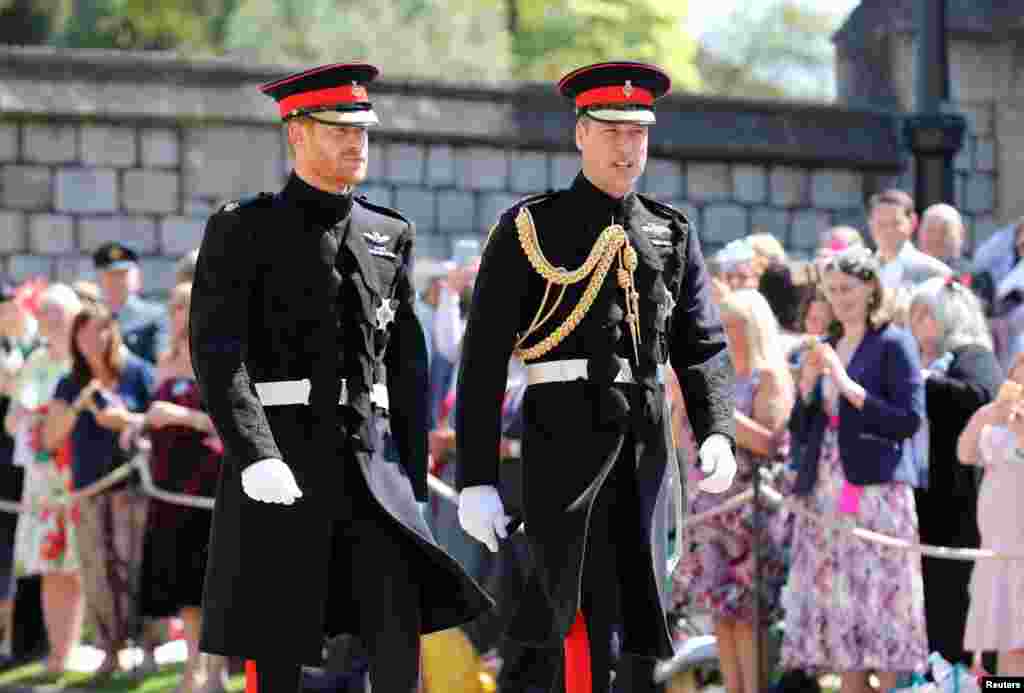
(375, 555)
(615, 569)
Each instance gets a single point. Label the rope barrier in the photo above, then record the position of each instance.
(772, 495)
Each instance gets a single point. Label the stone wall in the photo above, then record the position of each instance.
(140, 147)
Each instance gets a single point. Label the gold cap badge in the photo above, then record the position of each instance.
(116, 253)
(627, 88)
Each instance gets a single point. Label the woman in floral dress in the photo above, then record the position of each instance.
(717, 572)
(852, 605)
(45, 538)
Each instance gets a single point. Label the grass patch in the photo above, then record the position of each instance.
(163, 681)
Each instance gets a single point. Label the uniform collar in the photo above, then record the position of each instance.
(597, 200)
(325, 208)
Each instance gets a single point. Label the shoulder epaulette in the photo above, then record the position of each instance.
(387, 211)
(259, 198)
(524, 202)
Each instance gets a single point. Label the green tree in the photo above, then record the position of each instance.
(781, 51)
(193, 26)
(549, 38)
(434, 39)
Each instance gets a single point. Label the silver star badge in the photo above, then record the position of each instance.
(665, 309)
(385, 314)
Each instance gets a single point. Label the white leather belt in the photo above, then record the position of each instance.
(567, 370)
(276, 393)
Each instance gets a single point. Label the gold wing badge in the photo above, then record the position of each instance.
(613, 242)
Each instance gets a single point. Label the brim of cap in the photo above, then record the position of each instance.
(119, 265)
(365, 117)
(638, 116)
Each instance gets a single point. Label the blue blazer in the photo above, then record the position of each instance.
(874, 441)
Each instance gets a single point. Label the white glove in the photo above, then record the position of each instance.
(482, 515)
(717, 463)
(270, 481)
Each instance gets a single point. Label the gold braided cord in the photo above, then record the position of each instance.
(531, 246)
(597, 265)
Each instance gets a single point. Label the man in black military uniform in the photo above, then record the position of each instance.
(595, 288)
(312, 365)
(144, 326)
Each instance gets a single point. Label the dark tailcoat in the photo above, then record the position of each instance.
(286, 288)
(575, 432)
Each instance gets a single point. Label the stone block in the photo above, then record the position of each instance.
(980, 193)
(857, 218)
(433, 245)
(750, 183)
(707, 182)
(22, 267)
(147, 190)
(86, 190)
(770, 220)
(8, 142)
(181, 235)
(964, 159)
(157, 275)
(231, 162)
(49, 144)
(724, 223)
(491, 207)
(789, 186)
(979, 118)
(108, 146)
(160, 147)
(836, 189)
(456, 212)
(663, 179)
(51, 234)
(564, 168)
(481, 168)
(377, 194)
(985, 154)
(405, 163)
(26, 187)
(418, 205)
(528, 172)
(199, 207)
(440, 165)
(806, 229)
(137, 231)
(73, 268)
(12, 233)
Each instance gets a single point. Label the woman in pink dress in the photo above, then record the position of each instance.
(993, 438)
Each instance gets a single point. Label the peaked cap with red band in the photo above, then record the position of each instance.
(622, 91)
(331, 94)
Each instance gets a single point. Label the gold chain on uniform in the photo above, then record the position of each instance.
(612, 242)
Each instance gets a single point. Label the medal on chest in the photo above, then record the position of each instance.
(665, 308)
(385, 314)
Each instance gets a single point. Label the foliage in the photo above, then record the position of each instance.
(437, 39)
(163, 681)
(552, 37)
(782, 51)
(28, 22)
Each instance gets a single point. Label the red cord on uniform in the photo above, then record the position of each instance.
(250, 676)
(578, 677)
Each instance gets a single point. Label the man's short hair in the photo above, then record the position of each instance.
(949, 215)
(896, 197)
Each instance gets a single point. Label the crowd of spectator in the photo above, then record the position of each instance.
(876, 383)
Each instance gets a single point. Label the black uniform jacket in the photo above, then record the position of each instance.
(575, 431)
(289, 286)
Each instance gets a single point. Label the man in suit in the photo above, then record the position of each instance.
(892, 221)
(312, 365)
(596, 339)
(143, 324)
